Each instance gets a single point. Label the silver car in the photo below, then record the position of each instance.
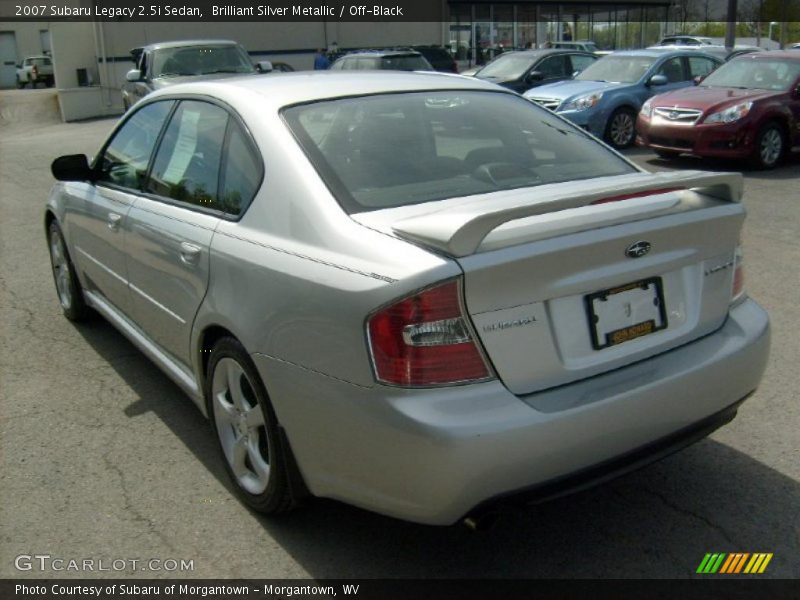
(416, 293)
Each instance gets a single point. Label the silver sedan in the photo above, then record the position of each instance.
(419, 294)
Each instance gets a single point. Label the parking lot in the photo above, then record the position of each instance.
(103, 456)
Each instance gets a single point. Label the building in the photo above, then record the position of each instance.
(91, 58)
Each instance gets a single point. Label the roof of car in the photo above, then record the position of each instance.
(183, 43)
(770, 54)
(384, 52)
(308, 86)
(543, 52)
(655, 52)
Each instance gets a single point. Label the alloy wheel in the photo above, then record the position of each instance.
(240, 425)
(60, 263)
(621, 130)
(771, 147)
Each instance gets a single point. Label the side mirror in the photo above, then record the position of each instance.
(699, 79)
(535, 76)
(658, 80)
(264, 66)
(72, 167)
(133, 75)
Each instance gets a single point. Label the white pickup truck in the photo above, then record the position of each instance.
(35, 69)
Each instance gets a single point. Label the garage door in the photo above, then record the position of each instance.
(8, 59)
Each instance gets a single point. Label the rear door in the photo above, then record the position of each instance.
(192, 185)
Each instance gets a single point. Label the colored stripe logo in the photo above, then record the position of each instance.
(734, 563)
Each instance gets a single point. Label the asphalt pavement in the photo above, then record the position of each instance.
(103, 458)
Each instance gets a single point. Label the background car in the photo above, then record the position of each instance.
(409, 291)
(35, 69)
(685, 40)
(606, 97)
(582, 45)
(526, 69)
(748, 108)
(439, 58)
(167, 63)
(391, 60)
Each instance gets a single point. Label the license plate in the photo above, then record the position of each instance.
(626, 313)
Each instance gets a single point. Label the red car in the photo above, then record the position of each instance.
(747, 108)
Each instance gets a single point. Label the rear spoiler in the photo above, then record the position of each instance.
(459, 230)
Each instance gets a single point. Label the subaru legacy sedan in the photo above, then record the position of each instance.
(417, 293)
(747, 109)
(606, 97)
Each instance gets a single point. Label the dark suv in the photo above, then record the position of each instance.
(439, 57)
(392, 60)
(521, 71)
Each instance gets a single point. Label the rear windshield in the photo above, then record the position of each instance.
(394, 150)
(406, 62)
(510, 66)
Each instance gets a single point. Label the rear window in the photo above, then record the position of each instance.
(393, 150)
(410, 62)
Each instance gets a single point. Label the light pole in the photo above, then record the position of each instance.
(769, 31)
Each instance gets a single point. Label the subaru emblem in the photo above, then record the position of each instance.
(637, 249)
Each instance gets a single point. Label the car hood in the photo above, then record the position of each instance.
(567, 89)
(705, 98)
(163, 82)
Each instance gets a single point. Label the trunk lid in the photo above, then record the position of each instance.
(559, 289)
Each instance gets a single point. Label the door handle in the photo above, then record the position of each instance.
(113, 221)
(189, 253)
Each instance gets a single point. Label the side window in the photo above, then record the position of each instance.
(700, 66)
(124, 161)
(186, 166)
(552, 67)
(672, 70)
(580, 62)
(242, 172)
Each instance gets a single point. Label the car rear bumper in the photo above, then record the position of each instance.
(434, 455)
(735, 140)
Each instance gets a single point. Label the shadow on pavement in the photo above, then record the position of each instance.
(657, 522)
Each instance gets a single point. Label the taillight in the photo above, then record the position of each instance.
(424, 340)
(737, 292)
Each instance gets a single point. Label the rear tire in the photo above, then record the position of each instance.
(256, 456)
(770, 147)
(621, 128)
(68, 287)
(20, 84)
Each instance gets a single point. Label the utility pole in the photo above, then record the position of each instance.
(730, 30)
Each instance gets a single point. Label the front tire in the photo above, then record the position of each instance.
(769, 147)
(68, 287)
(255, 455)
(621, 128)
